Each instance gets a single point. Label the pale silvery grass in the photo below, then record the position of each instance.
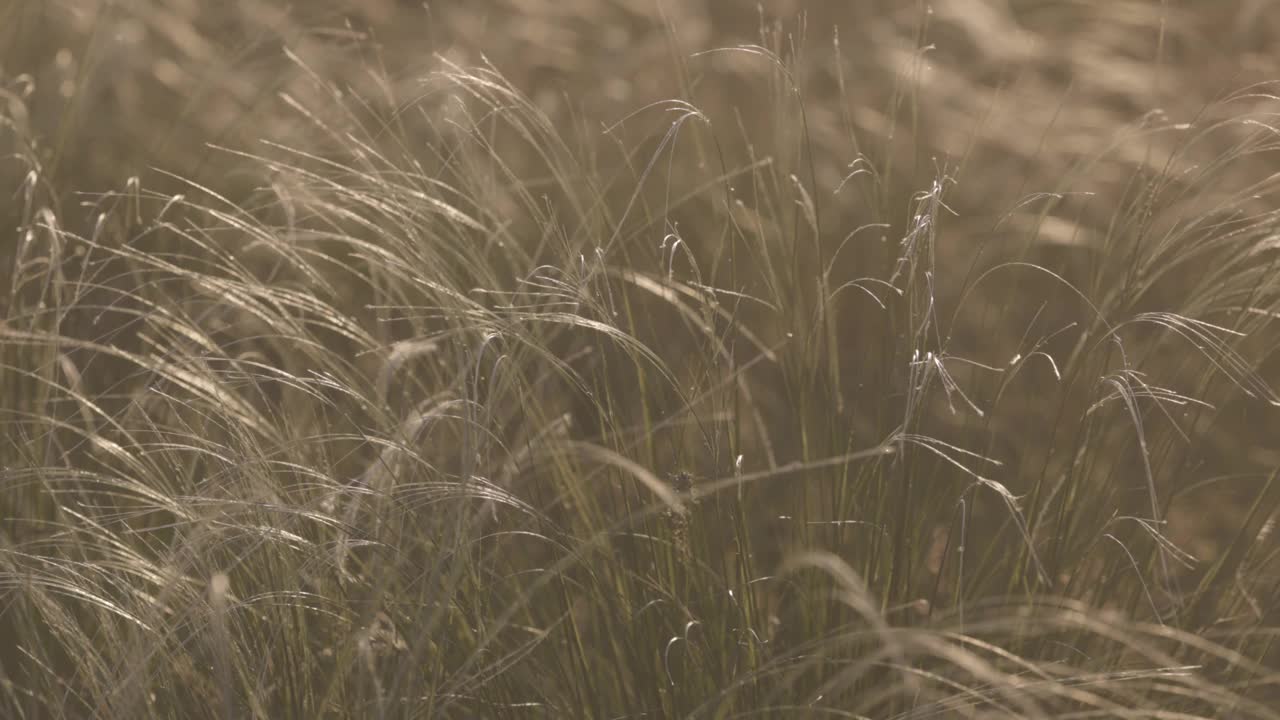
(389, 437)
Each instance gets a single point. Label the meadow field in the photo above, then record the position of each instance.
(639, 359)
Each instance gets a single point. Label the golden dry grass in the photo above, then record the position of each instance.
(638, 359)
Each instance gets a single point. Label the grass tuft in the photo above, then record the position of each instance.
(923, 372)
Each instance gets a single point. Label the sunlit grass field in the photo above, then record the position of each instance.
(618, 359)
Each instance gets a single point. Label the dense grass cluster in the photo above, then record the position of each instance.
(921, 369)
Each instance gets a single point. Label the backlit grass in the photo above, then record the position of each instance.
(839, 380)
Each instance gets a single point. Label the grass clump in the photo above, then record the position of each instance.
(464, 407)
